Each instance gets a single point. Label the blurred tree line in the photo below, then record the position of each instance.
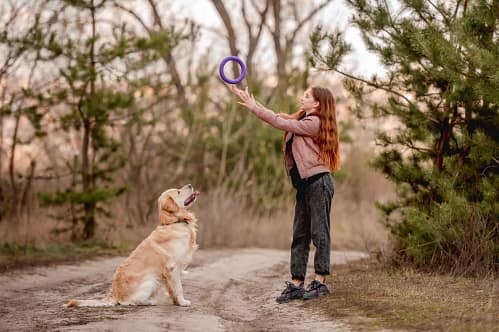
(105, 100)
(442, 61)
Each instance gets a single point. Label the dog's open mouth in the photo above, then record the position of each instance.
(191, 198)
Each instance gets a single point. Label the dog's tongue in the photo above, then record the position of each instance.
(191, 198)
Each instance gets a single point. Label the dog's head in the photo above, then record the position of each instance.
(173, 203)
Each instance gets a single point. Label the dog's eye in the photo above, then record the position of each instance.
(178, 192)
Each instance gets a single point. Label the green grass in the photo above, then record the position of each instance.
(373, 297)
(16, 255)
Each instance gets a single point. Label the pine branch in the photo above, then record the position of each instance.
(370, 83)
(444, 17)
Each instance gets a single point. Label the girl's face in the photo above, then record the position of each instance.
(308, 103)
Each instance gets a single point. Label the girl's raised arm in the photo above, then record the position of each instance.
(308, 127)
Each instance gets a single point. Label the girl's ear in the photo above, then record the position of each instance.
(316, 104)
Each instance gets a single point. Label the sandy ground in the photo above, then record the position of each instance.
(230, 290)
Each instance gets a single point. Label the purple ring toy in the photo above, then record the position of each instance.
(241, 64)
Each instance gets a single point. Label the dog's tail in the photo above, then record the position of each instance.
(90, 303)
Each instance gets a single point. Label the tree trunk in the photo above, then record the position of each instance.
(231, 34)
(13, 202)
(89, 228)
(442, 145)
(280, 52)
(89, 207)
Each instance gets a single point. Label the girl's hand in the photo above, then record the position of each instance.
(247, 100)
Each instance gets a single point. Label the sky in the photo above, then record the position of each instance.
(335, 15)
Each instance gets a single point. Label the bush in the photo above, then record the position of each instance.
(455, 235)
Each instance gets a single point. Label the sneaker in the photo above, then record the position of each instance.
(291, 292)
(315, 289)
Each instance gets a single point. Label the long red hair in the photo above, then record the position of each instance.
(328, 138)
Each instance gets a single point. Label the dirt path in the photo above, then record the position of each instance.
(230, 290)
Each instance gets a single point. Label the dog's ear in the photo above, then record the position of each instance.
(170, 205)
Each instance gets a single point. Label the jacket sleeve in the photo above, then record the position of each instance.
(308, 126)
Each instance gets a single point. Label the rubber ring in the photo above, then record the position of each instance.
(241, 64)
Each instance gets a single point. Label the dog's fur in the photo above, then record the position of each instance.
(159, 260)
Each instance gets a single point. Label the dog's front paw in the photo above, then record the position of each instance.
(184, 303)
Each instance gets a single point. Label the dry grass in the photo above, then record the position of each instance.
(20, 256)
(225, 220)
(372, 297)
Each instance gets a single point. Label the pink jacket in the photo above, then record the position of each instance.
(305, 151)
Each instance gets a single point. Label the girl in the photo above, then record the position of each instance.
(311, 151)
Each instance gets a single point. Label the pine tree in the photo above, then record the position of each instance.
(442, 59)
(90, 105)
(94, 98)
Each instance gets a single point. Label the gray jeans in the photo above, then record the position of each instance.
(311, 223)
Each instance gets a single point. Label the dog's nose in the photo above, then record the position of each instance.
(189, 185)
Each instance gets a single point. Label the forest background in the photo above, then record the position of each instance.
(106, 103)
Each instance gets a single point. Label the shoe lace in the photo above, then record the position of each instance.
(314, 285)
(289, 287)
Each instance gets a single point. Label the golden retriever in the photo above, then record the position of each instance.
(157, 263)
